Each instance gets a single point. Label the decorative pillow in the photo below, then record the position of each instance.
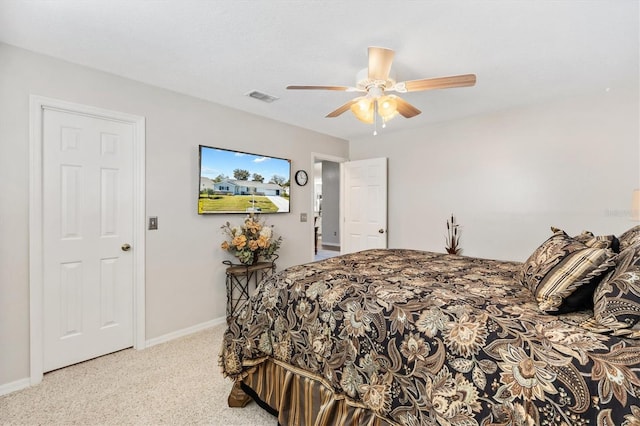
(617, 299)
(601, 241)
(547, 256)
(629, 237)
(563, 273)
(569, 286)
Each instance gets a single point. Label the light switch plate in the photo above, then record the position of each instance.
(303, 217)
(153, 223)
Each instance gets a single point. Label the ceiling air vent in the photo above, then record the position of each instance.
(262, 96)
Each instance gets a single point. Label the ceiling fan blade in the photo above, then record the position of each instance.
(339, 88)
(342, 108)
(406, 109)
(380, 60)
(440, 83)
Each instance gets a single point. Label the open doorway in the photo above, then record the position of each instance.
(326, 208)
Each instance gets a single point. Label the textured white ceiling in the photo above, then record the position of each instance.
(521, 51)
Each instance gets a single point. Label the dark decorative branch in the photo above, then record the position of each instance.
(453, 237)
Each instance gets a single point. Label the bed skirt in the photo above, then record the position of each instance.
(298, 398)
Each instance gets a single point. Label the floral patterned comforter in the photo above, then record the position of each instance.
(433, 339)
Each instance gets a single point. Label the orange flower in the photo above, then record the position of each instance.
(263, 241)
(239, 242)
(253, 226)
(224, 245)
(253, 245)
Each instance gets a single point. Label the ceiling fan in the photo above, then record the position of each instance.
(376, 81)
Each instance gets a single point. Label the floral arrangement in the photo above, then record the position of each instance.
(453, 237)
(251, 240)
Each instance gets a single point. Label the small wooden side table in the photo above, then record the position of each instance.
(238, 279)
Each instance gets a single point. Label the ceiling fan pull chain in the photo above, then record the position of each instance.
(375, 117)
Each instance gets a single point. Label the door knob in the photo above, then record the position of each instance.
(381, 231)
(125, 247)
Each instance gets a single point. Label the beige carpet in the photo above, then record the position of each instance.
(174, 383)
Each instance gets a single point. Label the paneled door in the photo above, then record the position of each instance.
(364, 204)
(87, 198)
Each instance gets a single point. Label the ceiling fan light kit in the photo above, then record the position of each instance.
(378, 79)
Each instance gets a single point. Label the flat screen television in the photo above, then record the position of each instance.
(239, 182)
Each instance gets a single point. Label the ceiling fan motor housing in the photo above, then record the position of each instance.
(364, 83)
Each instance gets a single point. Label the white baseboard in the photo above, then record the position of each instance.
(185, 331)
(14, 386)
(331, 244)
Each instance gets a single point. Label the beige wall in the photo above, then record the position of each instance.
(509, 176)
(184, 274)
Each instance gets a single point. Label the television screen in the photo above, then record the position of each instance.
(239, 182)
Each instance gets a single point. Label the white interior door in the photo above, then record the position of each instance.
(364, 205)
(87, 187)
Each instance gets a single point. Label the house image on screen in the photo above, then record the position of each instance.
(241, 187)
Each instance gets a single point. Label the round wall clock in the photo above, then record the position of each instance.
(301, 177)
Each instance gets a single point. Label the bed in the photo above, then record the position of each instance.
(405, 337)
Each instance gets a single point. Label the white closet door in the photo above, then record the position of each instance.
(87, 232)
